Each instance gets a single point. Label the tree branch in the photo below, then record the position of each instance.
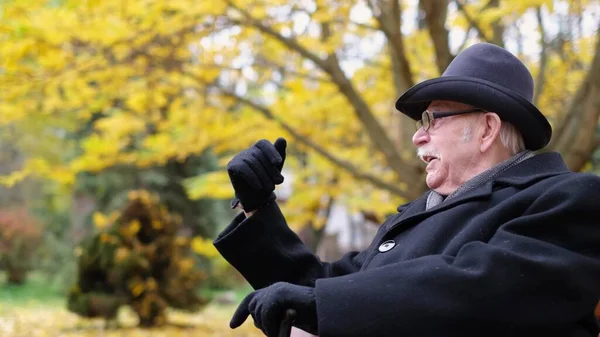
(332, 67)
(541, 76)
(497, 26)
(472, 21)
(390, 22)
(388, 14)
(107, 51)
(374, 130)
(357, 24)
(463, 44)
(266, 64)
(576, 139)
(435, 16)
(320, 150)
(288, 42)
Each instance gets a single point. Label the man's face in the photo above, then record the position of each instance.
(449, 147)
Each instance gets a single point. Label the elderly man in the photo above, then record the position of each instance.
(505, 242)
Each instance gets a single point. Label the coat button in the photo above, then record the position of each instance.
(386, 246)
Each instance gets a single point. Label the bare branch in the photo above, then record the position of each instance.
(263, 63)
(374, 130)
(389, 20)
(319, 149)
(288, 42)
(463, 44)
(374, 63)
(357, 24)
(541, 76)
(435, 15)
(472, 21)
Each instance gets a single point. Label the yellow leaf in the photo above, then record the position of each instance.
(100, 221)
(121, 254)
(323, 15)
(157, 224)
(185, 265)
(137, 289)
(204, 247)
(138, 101)
(210, 185)
(134, 226)
(107, 238)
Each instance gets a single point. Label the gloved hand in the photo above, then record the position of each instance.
(268, 305)
(254, 173)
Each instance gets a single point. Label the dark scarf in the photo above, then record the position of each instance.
(434, 198)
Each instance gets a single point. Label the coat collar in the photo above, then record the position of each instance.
(417, 207)
(523, 174)
(534, 169)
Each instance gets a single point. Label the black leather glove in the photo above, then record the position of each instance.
(268, 305)
(254, 173)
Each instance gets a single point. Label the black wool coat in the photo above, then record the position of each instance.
(518, 256)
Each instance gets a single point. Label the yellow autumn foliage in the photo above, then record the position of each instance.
(153, 81)
(130, 229)
(202, 246)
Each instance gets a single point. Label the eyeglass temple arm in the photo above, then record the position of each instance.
(452, 113)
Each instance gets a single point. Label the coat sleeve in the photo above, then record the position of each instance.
(539, 273)
(265, 250)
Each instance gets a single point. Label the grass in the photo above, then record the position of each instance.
(35, 309)
(240, 293)
(35, 290)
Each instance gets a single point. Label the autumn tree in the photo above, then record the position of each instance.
(164, 80)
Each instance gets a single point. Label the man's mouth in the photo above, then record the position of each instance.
(428, 159)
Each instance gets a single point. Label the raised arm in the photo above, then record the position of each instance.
(258, 242)
(265, 251)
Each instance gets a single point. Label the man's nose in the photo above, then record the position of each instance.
(420, 138)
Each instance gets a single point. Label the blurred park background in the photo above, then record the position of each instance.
(117, 118)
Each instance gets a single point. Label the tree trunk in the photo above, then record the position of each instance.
(576, 137)
(16, 275)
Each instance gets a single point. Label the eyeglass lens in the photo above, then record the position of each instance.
(424, 121)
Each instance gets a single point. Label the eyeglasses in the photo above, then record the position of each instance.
(427, 117)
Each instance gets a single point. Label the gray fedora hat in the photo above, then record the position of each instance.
(488, 77)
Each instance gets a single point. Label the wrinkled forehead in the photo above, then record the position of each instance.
(447, 106)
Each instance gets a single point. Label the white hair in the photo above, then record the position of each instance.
(511, 138)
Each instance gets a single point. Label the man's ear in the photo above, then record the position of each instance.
(491, 130)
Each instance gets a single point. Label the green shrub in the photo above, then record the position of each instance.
(137, 260)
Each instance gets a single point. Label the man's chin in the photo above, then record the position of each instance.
(436, 184)
(432, 182)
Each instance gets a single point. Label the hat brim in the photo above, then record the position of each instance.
(509, 106)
